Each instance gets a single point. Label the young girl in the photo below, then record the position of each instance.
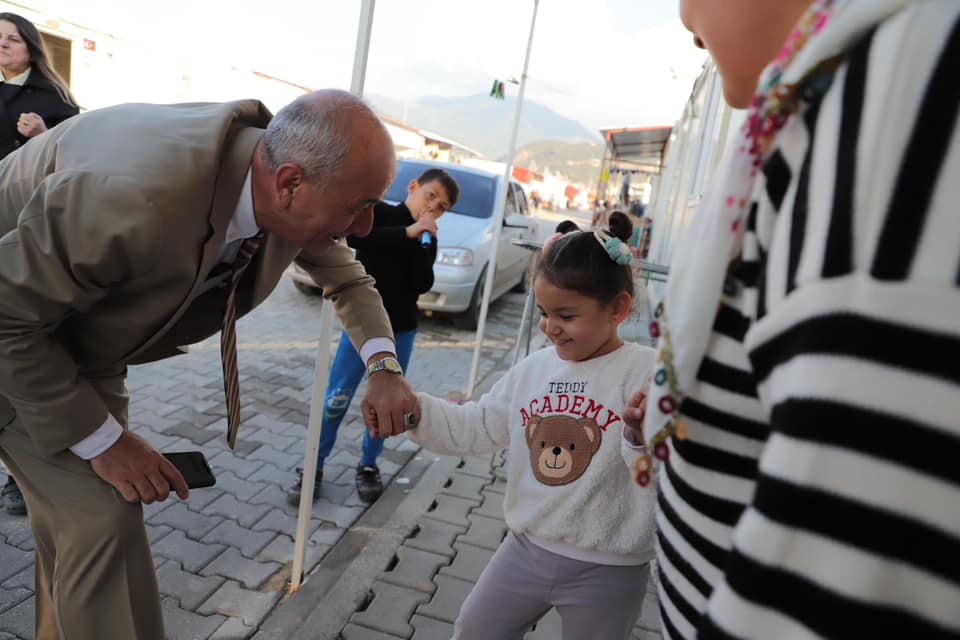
(581, 531)
(810, 333)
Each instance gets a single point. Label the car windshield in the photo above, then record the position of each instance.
(476, 191)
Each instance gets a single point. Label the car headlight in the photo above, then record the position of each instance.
(455, 257)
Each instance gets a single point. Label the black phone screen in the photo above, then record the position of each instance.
(194, 468)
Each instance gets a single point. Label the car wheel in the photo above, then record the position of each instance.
(470, 317)
(524, 284)
(307, 289)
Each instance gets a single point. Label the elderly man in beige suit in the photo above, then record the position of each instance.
(116, 228)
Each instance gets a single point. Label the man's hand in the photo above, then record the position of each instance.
(388, 397)
(633, 415)
(138, 471)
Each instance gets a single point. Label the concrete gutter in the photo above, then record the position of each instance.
(341, 582)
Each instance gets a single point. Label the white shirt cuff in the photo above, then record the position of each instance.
(377, 345)
(100, 440)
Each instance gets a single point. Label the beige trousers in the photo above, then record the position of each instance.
(94, 572)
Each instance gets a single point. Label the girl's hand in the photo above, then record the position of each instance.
(424, 223)
(633, 414)
(30, 125)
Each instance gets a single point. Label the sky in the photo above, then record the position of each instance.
(605, 63)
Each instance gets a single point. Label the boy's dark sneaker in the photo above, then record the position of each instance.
(13, 500)
(293, 493)
(369, 486)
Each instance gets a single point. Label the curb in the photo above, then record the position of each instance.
(342, 581)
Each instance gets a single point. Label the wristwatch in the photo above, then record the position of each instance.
(390, 365)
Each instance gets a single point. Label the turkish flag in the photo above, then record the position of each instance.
(90, 45)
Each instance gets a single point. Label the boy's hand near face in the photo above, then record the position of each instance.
(426, 222)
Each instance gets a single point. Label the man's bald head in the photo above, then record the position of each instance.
(324, 162)
(319, 132)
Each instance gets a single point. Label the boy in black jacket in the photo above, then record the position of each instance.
(399, 253)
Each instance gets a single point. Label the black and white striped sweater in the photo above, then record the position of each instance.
(818, 492)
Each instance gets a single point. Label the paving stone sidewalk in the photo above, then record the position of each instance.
(419, 593)
(223, 557)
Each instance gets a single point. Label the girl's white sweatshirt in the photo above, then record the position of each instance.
(569, 470)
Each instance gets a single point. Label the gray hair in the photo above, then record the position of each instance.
(314, 134)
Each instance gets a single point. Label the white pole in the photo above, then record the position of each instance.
(498, 224)
(322, 374)
(363, 47)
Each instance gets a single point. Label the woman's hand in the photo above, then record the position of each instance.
(424, 223)
(30, 125)
(633, 414)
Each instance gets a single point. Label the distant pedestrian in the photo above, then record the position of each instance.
(581, 531)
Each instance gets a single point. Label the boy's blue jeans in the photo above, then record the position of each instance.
(345, 376)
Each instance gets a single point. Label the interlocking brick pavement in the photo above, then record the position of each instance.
(223, 556)
(472, 548)
(237, 537)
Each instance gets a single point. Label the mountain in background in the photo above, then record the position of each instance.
(482, 123)
(546, 140)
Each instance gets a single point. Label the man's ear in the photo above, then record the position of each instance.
(287, 180)
(412, 187)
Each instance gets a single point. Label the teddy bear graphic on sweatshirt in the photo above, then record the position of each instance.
(561, 447)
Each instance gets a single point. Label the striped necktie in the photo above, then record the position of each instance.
(228, 338)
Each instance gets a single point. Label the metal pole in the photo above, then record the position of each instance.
(321, 373)
(498, 224)
(363, 47)
(525, 325)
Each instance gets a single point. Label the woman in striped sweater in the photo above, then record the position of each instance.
(810, 393)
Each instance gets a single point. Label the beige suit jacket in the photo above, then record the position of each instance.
(109, 224)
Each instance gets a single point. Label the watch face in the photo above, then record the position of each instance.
(392, 366)
(387, 364)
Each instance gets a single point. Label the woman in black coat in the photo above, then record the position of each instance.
(33, 97)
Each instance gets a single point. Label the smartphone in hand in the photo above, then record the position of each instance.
(193, 467)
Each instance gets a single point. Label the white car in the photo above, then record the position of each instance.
(465, 241)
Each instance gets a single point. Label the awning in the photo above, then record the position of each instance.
(642, 146)
(447, 143)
